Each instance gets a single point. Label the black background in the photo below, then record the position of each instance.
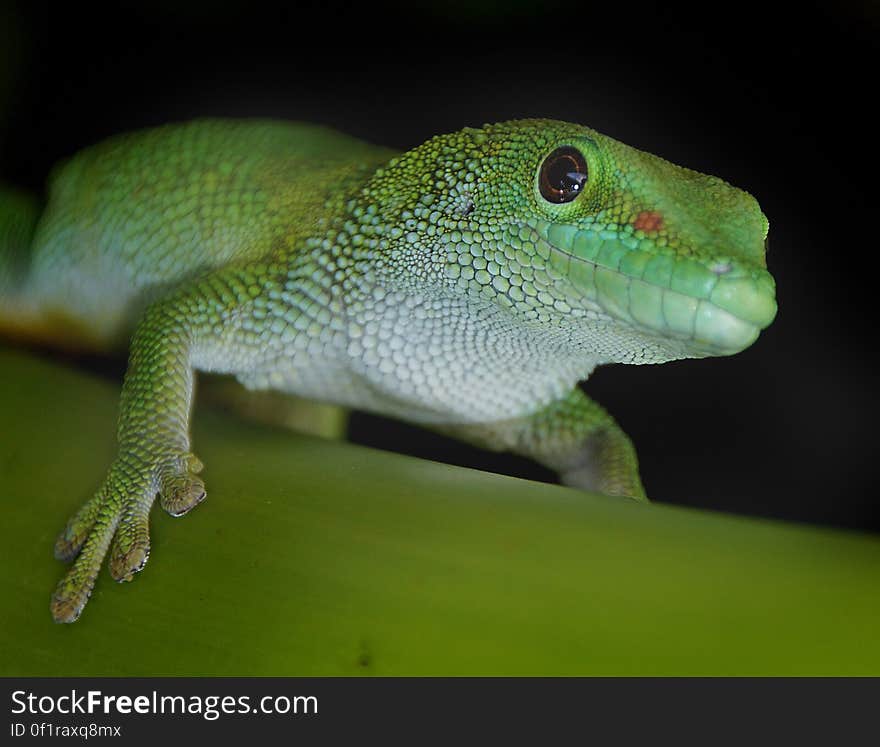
(778, 99)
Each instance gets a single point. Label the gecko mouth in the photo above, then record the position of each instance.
(716, 307)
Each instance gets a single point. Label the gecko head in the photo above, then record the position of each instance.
(627, 254)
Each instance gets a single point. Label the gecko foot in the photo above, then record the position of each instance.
(117, 519)
(606, 463)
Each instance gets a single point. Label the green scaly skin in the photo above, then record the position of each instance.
(438, 286)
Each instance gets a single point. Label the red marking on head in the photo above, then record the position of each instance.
(648, 220)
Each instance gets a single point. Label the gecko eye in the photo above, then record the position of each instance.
(564, 174)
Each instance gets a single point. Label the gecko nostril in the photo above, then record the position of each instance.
(767, 243)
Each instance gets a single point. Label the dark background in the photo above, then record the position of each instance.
(777, 99)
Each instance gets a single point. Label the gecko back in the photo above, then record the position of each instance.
(138, 213)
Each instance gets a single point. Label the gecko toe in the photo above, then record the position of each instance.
(124, 563)
(67, 609)
(181, 491)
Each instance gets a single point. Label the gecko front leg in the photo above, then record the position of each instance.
(574, 436)
(199, 320)
(153, 457)
(210, 325)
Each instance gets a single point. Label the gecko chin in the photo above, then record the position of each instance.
(682, 307)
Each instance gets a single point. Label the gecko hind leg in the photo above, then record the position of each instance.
(275, 408)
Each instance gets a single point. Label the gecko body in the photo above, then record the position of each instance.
(467, 285)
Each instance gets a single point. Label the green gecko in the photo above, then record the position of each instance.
(466, 285)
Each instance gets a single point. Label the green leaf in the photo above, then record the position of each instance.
(313, 557)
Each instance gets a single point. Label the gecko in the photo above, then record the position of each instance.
(467, 286)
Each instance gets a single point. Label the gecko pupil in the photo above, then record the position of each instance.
(563, 175)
